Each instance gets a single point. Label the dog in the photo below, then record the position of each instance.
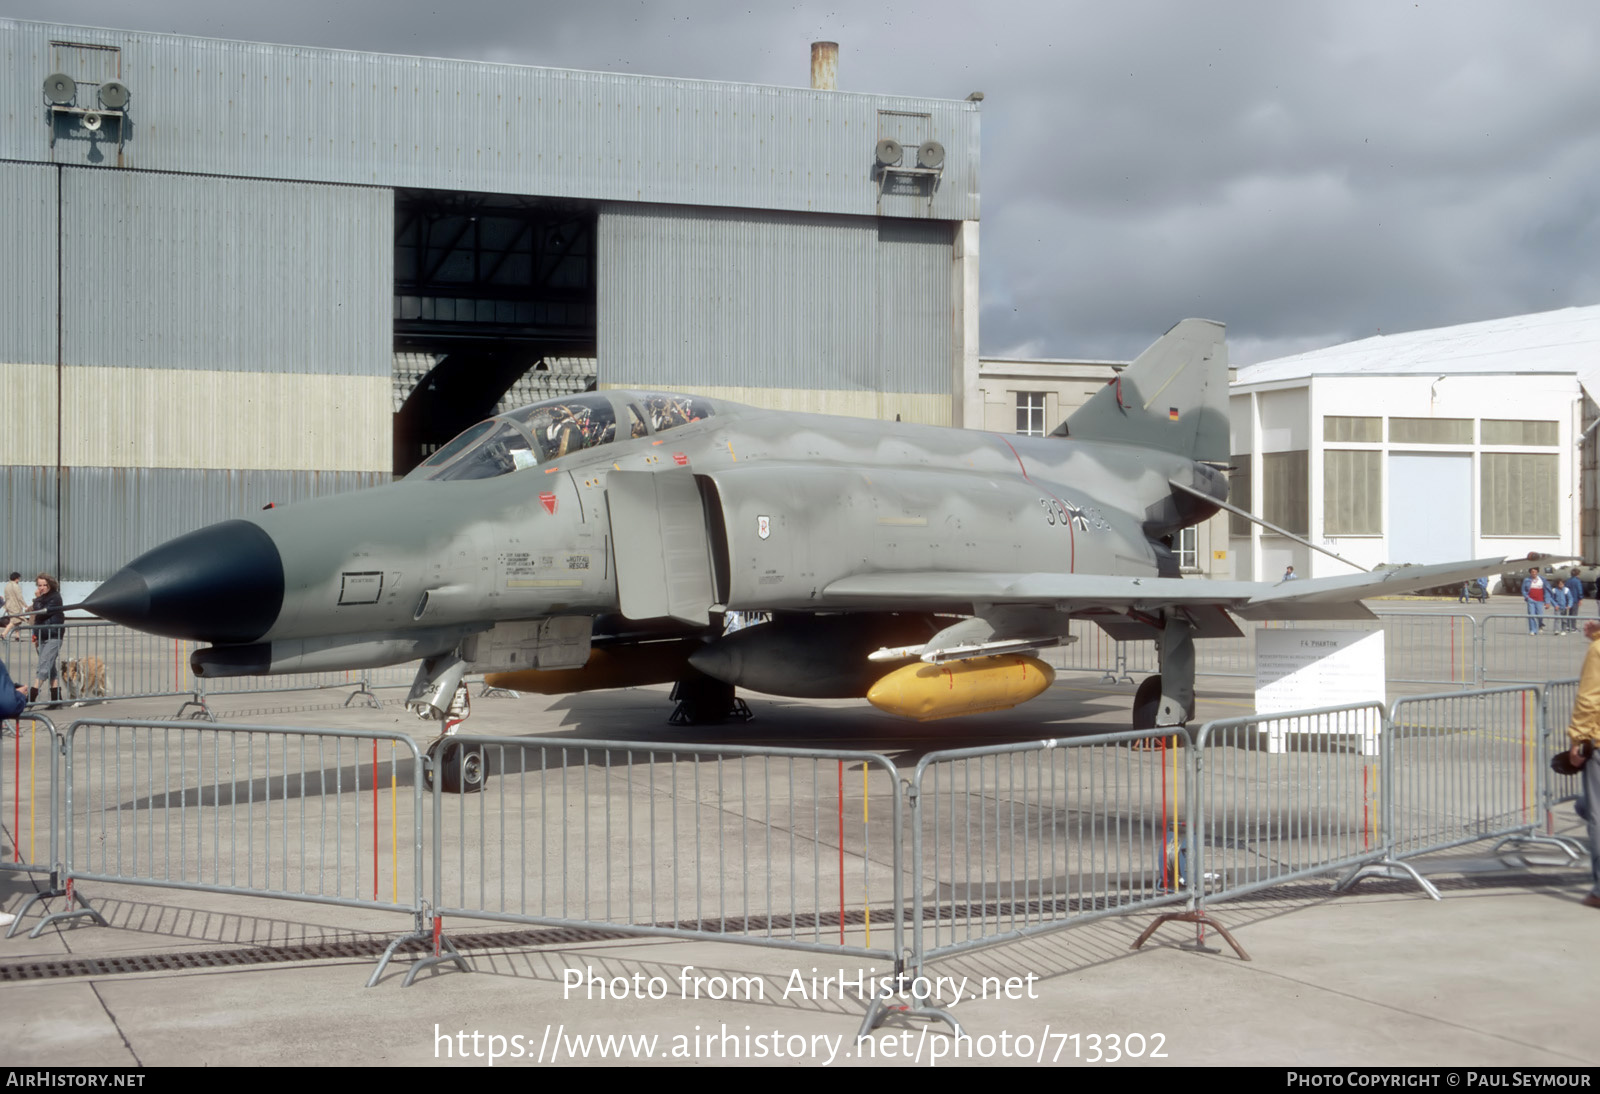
(85, 678)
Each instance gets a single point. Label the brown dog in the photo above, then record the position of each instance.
(85, 677)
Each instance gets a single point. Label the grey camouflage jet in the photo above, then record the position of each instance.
(597, 541)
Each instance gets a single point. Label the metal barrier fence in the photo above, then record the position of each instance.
(323, 815)
(791, 848)
(29, 786)
(1464, 767)
(1556, 701)
(1014, 840)
(1446, 648)
(1508, 653)
(101, 661)
(1281, 797)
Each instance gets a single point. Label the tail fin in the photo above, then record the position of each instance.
(1174, 397)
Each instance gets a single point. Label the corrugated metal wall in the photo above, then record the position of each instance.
(760, 306)
(27, 264)
(28, 508)
(246, 109)
(181, 272)
(113, 514)
(225, 343)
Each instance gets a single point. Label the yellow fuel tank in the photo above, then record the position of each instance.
(624, 667)
(926, 692)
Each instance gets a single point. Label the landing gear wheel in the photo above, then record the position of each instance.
(704, 701)
(461, 770)
(1146, 704)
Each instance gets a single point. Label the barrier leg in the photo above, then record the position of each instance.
(443, 950)
(1392, 869)
(1197, 916)
(73, 897)
(881, 1008)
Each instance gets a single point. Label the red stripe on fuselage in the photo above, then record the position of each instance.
(1072, 532)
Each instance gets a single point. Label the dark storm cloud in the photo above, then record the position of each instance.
(1308, 173)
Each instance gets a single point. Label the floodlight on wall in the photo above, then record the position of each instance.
(889, 153)
(60, 89)
(930, 154)
(114, 95)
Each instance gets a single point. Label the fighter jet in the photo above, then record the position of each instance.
(597, 541)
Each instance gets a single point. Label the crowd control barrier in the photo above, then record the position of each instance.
(1015, 840)
(29, 787)
(789, 848)
(322, 815)
(821, 851)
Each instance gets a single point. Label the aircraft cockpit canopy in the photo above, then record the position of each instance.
(555, 428)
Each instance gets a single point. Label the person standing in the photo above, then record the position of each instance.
(48, 620)
(1574, 598)
(1289, 574)
(1533, 593)
(15, 605)
(1556, 597)
(1584, 733)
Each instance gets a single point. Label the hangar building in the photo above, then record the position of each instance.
(234, 274)
(1429, 446)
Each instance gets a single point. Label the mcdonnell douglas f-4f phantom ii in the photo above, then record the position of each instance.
(595, 541)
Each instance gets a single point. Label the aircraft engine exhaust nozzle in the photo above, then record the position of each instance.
(927, 692)
(219, 584)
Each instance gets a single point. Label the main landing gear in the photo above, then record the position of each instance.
(1166, 701)
(704, 701)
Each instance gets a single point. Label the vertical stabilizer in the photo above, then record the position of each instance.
(1174, 397)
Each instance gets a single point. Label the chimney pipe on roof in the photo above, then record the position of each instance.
(825, 66)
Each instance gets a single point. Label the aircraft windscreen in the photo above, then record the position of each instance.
(670, 411)
(503, 451)
(571, 425)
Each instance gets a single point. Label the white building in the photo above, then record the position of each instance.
(1429, 446)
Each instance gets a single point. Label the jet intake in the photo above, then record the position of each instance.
(927, 692)
(322, 654)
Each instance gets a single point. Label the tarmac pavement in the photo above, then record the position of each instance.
(1501, 972)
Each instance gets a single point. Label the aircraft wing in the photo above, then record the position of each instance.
(1309, 598)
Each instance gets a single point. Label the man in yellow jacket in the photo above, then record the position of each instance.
(1584, 733)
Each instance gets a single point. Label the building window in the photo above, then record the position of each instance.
(1520, 494)
(1352, 492)
(1030, 413)
(1186, 545)
(1284, 480)
(1533, 434)
(1343, 430)
(1430, 430)
(1239, 493)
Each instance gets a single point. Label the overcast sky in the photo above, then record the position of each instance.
(1309, 173)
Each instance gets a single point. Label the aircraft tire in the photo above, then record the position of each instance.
(702, 701)
(1147, 701)
(461, 771)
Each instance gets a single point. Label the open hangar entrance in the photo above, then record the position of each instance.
(488, 288)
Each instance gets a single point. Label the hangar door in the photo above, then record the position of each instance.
(1430, 507)
(848, 315)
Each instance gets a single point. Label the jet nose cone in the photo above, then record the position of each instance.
(221, 584)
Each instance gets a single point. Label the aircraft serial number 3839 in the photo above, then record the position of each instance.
(596, 541)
